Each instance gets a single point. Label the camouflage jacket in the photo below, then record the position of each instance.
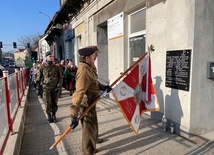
(50, 76)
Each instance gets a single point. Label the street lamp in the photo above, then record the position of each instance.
(45, 15)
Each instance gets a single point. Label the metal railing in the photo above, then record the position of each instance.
(12, 89)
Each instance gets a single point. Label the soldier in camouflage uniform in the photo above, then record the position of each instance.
(51, 78)
(87, 85)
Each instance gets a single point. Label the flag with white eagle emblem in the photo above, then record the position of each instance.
(135, 93)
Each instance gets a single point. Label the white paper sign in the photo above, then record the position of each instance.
(115, 26)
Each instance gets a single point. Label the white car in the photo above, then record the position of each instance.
(1, 67)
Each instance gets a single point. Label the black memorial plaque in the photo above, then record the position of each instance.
(178, 69)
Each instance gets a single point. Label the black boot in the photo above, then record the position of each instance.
(54, 117)
(99, 141)
(49, 118)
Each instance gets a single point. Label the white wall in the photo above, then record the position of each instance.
(177, 25)
(44, 46)
(170, 25)
(116, 58)
(202, 99)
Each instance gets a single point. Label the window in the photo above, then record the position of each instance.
(137, 46)
(139, 21)
(137, 35)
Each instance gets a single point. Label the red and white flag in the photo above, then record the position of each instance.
(135, 93)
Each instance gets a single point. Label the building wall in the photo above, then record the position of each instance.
(170, 25)
(20, 57)
(89, 25)
(202, 91)
(43, 48)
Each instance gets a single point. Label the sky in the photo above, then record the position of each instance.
(20, 18)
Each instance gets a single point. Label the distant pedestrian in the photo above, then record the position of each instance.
(39, 93)
(33, 74)
(72, 77)
(51, 77)
(61, 66)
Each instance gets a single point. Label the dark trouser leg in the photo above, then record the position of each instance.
(89, 132)
(49, 118)
(34, 85)
(55, 96)
(40, 90)
(54, 117)
(48, 102)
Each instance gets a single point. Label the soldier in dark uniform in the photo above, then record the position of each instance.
(51, 78)
(87, 85)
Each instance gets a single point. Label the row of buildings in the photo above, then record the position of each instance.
(19, 58)
(182, 33)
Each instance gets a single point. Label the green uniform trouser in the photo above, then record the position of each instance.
(89, 132)
(50, 99)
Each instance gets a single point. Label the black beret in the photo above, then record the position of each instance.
(86, 51)
(48, 53)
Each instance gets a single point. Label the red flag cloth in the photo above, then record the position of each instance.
(136, 94)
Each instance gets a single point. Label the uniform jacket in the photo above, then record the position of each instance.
(86, 84)
(50, 76)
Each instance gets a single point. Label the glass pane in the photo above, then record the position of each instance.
(138, 21)
(137, 47)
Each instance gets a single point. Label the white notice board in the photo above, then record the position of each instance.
(115, 26)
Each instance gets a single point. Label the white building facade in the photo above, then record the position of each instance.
(43, 47)
(182, 34)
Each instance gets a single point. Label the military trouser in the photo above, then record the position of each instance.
(50, 99)
(89, 132)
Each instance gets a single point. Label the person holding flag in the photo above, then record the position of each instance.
(133, 91)
(88, 89)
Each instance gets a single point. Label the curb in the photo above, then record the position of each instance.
(14, 141)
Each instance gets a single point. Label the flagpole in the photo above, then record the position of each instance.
(61, 137)
(79, 118)
(151, 48)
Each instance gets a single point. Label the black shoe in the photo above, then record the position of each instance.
(49, 118)
(96, 150)
(54, 117)
(99, 141)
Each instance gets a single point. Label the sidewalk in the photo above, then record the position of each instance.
(113, 128)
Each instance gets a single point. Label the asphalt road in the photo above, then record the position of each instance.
(11, 71)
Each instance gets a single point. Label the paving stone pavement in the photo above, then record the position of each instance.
(118, 137)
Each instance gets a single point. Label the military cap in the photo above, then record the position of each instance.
(89, 50)
(48, 53)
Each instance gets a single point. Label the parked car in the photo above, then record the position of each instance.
(5, 65)
(12, 64)
(1, 69)
(1, 73)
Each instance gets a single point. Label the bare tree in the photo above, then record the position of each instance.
(31, 39)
